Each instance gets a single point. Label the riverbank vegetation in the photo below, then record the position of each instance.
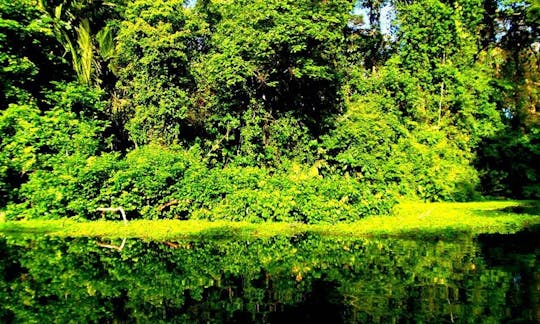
(296, 111)
(409, 220)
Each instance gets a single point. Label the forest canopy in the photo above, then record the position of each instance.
(276, 110)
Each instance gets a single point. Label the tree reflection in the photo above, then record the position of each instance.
(306, 279)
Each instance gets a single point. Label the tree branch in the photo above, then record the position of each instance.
(115, 209)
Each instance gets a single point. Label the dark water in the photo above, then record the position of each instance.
(303, 279)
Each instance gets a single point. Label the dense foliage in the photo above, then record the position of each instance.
(309, 111)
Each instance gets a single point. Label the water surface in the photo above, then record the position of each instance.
(304, 279)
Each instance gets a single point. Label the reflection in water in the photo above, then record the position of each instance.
(306, 279)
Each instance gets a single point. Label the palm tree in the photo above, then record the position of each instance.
(88, 50)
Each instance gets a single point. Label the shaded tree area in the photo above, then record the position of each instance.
(312, 111)
(508, 160)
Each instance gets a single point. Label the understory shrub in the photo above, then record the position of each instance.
(154, 182)
(295, 194)
(420, 161)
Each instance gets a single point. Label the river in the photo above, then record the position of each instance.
(302, 279)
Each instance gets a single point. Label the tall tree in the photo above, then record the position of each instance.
(30, 58)
(83, 27)
(507, 160)
(270, 63)
(158, 42)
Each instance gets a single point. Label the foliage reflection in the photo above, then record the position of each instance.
(301, 278)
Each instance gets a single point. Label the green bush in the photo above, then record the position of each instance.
(295, 194)
(42, 151)
(422, 162)
(154, 182)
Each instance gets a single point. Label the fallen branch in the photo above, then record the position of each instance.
(172, 245)
(168, 204)
(115, 209)
(110, 246)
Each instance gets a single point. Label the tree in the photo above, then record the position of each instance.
(506, 160)
(270, 60)
(84, 28)
(158, 42)
(30, 58)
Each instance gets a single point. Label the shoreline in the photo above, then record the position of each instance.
(409, 220)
